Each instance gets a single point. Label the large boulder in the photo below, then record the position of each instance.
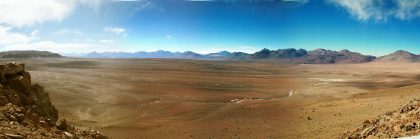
(20, 84)
(13, 68)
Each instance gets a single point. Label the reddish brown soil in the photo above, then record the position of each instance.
(158, 98)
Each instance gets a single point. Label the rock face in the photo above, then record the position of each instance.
(400, 123)
(26, 110)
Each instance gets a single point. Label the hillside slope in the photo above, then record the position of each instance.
(399, 56)
(26, 110)
(400, 123)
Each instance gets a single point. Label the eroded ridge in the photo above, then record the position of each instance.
(399, 123)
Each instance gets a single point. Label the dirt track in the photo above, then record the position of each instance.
(155, 98)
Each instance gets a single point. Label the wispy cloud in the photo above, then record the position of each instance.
(250, 1)
(168, 36)
(8, 37)
(380, 10)
(408, 9)
(116, 30)
(72, 32)
(106, 41)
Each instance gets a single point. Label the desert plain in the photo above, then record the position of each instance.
(174, 98)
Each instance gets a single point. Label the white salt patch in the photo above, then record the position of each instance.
(328, 79)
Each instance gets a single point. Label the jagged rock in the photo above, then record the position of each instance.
(43, 104)
(14, 136)
(12, 96)
(62, 124)
(20, 117)
(20, 84)
(13, 68)
(399, 123)
(68, 135)
(27, 76)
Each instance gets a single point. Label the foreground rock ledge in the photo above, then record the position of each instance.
(26, 110)
(401, 123)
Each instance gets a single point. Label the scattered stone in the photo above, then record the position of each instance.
(14, 136)
(400, 123)
(68, 135)
(20, 117)
(62, 124)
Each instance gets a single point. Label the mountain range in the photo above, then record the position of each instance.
(289, 55)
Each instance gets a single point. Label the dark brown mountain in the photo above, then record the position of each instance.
(322, 56)
(280, 53)
(317, 56)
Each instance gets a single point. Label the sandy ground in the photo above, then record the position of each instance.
(163, 98)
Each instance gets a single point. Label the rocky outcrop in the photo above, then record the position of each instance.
(26, 110)
(400, 123)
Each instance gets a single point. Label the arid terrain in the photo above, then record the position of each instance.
(165, 98)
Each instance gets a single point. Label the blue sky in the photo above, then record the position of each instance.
(375, 27)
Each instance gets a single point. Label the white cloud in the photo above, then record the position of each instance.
(34, 33)
(408, 9)
(93, 4)
(116, 30)
(73, 32)
(62, 48)
(106, 41)
(362, 9)
(20, 13)
(380, 10)
(8, 37)
(168, 37)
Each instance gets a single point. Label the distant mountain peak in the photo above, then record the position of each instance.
(345, 51)
(402, 52)
(399, 56)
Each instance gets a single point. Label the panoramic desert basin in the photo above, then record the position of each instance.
(173, 98)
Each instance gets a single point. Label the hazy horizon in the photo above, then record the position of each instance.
(372, 27)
